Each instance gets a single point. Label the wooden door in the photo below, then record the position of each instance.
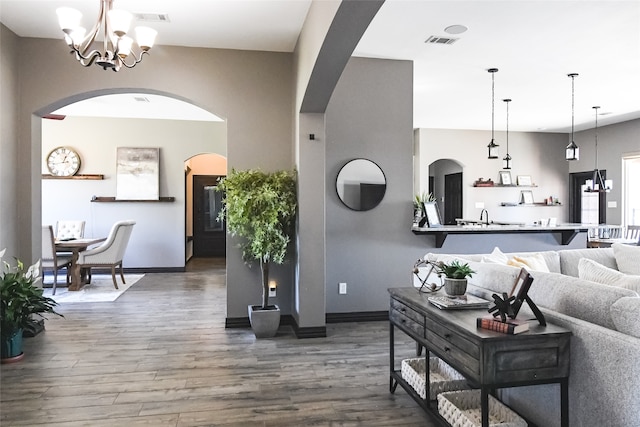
(209, 234)
(452, 198)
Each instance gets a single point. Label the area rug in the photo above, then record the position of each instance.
(100, 289)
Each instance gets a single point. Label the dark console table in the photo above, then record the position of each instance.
(489, 360)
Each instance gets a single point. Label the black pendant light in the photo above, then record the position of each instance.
(493, 147)
(506, 161)
(572, 151)
(598, 184)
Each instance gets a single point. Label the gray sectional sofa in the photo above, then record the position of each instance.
(604, 382)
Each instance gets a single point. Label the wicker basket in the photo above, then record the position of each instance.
(442, 377)
(462, 409)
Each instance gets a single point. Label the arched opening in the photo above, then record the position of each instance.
(445, 183)
(95, 126)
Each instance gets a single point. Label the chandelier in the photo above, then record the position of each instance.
(597, 184)
(117, 47)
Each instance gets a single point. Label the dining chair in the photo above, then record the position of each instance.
(110, 252)
(52, 260)
(69, 229)
(633, 233)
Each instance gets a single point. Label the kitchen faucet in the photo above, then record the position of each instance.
(482, 213)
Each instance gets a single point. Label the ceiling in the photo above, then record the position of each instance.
(534, 44)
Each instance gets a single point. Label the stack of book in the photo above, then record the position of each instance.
(511, 326)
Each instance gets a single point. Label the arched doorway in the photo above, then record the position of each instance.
(206, 236)
(158, 241)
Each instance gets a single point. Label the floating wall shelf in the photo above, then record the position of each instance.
(101, 199)
(79, 176)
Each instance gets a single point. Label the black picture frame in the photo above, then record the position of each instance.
(432, 214)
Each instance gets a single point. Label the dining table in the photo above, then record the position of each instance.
(75, 246)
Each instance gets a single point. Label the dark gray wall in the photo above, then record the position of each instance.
(370, 115)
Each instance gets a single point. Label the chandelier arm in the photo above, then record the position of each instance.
(136, 59)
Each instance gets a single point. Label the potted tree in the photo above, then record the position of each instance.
(260, 208)
(20, 299)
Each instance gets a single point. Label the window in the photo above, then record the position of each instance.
(631, 184)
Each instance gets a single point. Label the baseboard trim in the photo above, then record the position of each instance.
(360, 316)
(285, 320)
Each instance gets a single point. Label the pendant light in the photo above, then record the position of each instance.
(572, 151)
(506, 161)
(597, 184)
(493, 147)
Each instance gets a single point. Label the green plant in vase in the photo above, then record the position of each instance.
(20, 300)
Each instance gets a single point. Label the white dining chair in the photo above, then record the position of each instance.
(52, 260)
(69, 229)
(110, 252)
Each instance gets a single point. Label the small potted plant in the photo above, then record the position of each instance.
(260, 208)
(20, 299)
(455, 276)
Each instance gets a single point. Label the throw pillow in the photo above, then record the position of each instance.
(496, 257)
(627, 258)
(530, 262)
(625, 313)
(590, 270)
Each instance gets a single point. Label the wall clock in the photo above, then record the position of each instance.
(63, 161)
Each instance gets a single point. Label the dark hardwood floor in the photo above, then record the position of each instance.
(160, 356)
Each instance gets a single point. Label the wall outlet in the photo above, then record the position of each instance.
(342, 289)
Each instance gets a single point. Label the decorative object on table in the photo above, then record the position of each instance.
(442, 377)
(458, 302)
(572, 151)
(482, 183)
(526, 197)
(63, 161)
(138, 173)
(506, 161)
(509, 327)
(455, 276)
(432, 214)
(20, 300)
(507, 307)
(462, 409)
(505, 178)
(260, 208)
(597, 184)
(113, 38)
(524, 180)
(493, 147)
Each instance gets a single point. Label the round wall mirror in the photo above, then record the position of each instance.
(361, 184)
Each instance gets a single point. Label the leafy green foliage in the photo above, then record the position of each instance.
(454, 269)
(261, 208)
(20, 298)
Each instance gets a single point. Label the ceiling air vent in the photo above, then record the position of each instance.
(440, 40)
(152, 17)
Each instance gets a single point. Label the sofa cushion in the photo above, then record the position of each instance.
(575, 297)
(588, 269)
(569, 259)
(626, 315)
(627, 258)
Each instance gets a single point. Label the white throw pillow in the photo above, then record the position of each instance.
(534, 262)
(496, 257)
(627, 258)
(590, 270)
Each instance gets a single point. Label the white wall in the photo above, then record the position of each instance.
(159, 234)
(540, 155)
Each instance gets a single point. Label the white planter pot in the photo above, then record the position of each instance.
(265, 323)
